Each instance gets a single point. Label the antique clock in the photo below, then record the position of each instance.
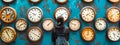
(88, 34)
(21, 24)
(88, 13)
(8, 34)
(35, 34)
(62, 12)
(113, 14)
(8, 14)
(48, 24)
(61, 1)
(88, 1)
(8, 1)
(34, 14)
(100, 24)
(74, 24)
(34, 1)
(114, 1)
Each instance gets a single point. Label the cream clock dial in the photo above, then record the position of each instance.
(114, 1)
(62, 11)
(35, 34)
(88, 34)
(21, 24)
(61, 1)
(113, 14)
(113, 34)
(35, 1)
(88, 14)
(8, 34)
(8, 1)
(88, 1)
(74, 24)
(100, 24)
(34, 14)
(8, 14)
(48, 25)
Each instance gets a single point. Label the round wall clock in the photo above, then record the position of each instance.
(74, 24)
(8, 14)
(113, 14)
(62, 11)
(34, 14)
(8, 34)
(88, 1)
(100, 24)
(88, 14)
(21, 24)
(8, 1)
(35, 34)
(114, 1)
(61, 1)
(34, 1)
(88, 34)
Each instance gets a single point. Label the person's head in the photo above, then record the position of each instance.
(60, 20)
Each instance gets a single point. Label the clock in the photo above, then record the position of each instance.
(21, 24)
(113, 34)
(74, 24)
(114, 1)
(100, 24)
(62, 12)
(48, 25)
(8, 34)
(8, 1)
(88, 13)
(88, 34)
(35, 34)
(8, 14)
(34, 1)
(34, 14)
(88, 1)
(61, 1)
(112, 14)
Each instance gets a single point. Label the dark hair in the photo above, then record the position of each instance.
(60, 20)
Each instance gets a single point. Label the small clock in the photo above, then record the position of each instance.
(61, 1)
(63, 12)
(88, 14)
(88, 34)
(88, 1)
(114, 1)
(113, 14)
(74, 24)
(35, 34)
(34, 1)
(100, 24)
(8, 34)
(48, 25)
(113, 34)
(34, 14)
(8, 1)
(8, 14)
(21, 24)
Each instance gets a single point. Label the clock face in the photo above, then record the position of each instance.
(113, 14)
(21, 24)
(35, 1)
(88, 34)
(100, 24)
(62, 1)
(88, 0)
(62, 11)
(8, 34)
(8, 14)
(88, 14)
(74, 24)
(48, 25)
(114, 1)
(8, 1)
(35, 34)
(34, 14)
(113, 34)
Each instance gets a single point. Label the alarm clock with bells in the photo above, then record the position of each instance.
(34, 34)
(35, 14)
(88, 13)
(48, 24)
(61, 1)
(113, 33)
(21, 24)
(88, 34)
(114, 1)
(112, 14)
(63, 12)
(34, 1)
(8, 1)
(8, 34)
(100, 24)
(74, 24)
(88, 1)
(8, 14)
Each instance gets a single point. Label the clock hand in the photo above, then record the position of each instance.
(74, 24)
(49, 23)
(35, 34)
(7, 34)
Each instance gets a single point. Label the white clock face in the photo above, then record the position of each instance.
(48, 25)
(100, 24)
(34, 14)
(62, 11)
(61, 1)
(88, 0)
(74, 24)
(35, 1)
(21, 24)
(113, 34)
(35, 34)
(8, 1)
(114, 1)
(88, 14)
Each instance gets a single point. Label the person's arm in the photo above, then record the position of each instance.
(67, 33)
